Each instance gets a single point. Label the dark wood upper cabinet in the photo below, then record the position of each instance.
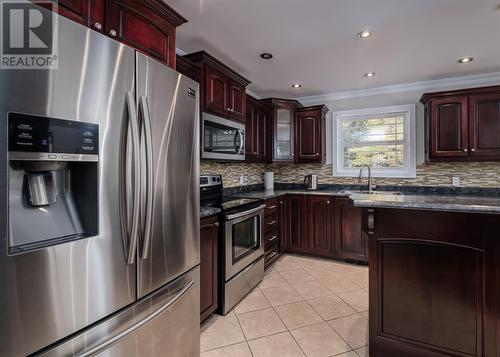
(283, 128)
(320, 225)
(89, 13)
(223, 90)
(463, 125)
(256, 131)
(187, 68)
(298, 224)
(310, 134)
(484, 125)
(208, 266)
(237, 101)
(147, 25)
(449, 127)
(215, 91)
(351, 242)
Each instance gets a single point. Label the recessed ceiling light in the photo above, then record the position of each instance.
(266, 55)
(365, 34)
(369, 74)
(296, 85)
(466, 60)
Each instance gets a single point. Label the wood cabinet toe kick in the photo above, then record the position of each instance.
(434, 283)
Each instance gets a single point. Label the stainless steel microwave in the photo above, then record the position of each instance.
(222, 139)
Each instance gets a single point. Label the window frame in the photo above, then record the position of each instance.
(410, 141)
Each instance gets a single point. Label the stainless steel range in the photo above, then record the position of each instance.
(242, 243)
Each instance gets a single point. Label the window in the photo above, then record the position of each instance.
(383, 138)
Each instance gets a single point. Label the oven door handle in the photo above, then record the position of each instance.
(246, 213)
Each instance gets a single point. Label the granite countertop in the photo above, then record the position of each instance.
(468, 204)
(208, 211)
(434, 202)
(267, 194)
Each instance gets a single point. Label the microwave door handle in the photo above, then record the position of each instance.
(242, 143)
(148, 220)
(134, 231)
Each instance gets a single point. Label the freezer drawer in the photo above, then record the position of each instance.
(164, 323)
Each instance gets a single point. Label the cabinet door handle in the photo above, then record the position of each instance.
(317, 154)
(98, 26)
(272, 239)
(465, 150)
(216, 224)
(327, 202)
(271, 223)
(112, 33)
(272, 207)
(473, 149)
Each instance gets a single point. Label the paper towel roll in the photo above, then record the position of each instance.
(269, 180)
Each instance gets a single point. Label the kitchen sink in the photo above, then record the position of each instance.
(353, 192)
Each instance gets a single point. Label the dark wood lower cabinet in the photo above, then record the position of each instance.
(325, 226)
(320, 224)
(271, 232)
(298, 222)
(208, 266)
(434, 283)
(351, 242)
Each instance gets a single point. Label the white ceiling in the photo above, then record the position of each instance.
(314, 42)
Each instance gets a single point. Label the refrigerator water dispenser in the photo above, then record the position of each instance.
(53, 181)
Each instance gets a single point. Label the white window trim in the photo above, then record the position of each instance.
(411, 141)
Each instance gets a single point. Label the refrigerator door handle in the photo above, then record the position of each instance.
(134, 128)
(100, 348)
(144, 107)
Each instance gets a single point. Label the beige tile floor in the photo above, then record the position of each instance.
(303, 307)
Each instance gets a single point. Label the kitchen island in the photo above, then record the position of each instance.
(434, 277)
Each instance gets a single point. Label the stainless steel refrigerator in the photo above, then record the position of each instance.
(99, 204)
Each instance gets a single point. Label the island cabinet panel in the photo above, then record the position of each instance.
(351, 241)
(433, 283)
(320, 225)
(208, 266)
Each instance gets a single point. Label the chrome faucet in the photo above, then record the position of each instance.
(370, 185)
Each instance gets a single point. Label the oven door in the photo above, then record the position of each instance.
(222, 139)
(244, 234)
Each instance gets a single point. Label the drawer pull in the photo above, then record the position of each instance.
(271, 256)
(271, 223)
(272, 207)
(272, 239)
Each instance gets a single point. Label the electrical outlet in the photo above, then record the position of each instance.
(455, 181)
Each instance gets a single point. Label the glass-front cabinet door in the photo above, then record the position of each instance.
(283, 148)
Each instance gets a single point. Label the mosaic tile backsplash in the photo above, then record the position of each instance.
(472, 174)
